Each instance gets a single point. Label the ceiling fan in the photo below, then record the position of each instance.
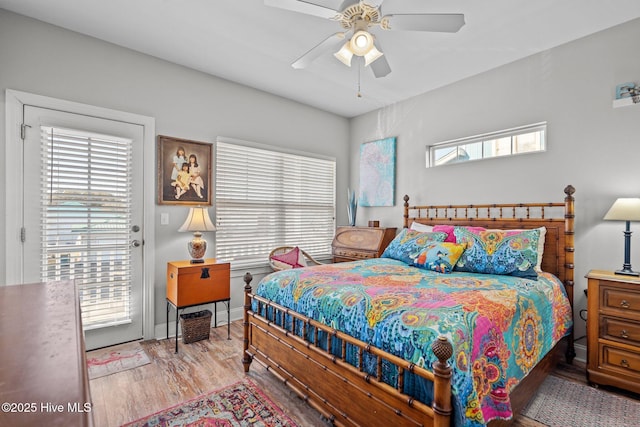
(357, 18)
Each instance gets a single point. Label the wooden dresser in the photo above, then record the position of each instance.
(613, 330)
(356, 243)
(43, 371)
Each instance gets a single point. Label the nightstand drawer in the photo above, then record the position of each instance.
(620, 330)
(619, 300)
(621, 360)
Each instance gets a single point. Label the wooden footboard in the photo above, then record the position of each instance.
(344, 394)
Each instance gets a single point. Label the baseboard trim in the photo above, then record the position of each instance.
(581, 353)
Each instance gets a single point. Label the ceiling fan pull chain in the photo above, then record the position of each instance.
(359, 70)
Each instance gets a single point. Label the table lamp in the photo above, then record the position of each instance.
(625, 209)
(197, 221)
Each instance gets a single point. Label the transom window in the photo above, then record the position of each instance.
(508, 142)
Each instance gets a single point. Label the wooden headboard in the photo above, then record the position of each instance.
(558, 218)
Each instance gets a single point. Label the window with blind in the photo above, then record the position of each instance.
(86, 220)
(267, 198)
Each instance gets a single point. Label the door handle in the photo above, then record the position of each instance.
(135, 243)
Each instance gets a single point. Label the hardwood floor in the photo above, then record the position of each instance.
(205, 366)
(171, 379)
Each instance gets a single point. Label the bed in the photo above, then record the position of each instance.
(419, 367)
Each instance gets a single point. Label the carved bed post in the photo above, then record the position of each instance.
(443, 350)
(246, 358)
(406, 211)
(569, 216)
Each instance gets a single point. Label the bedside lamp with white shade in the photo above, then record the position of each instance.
(197, 221)
(625, 209)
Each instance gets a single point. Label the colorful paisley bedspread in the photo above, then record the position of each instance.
(500, 326)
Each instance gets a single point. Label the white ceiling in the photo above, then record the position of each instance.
(247, 42)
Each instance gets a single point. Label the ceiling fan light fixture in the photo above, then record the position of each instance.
(361, 43)
(344, 54)
(372, 55)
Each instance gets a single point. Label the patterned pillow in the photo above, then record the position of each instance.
(506, 252)
(409, 243)
(292, 259)
(440, 257)
(446, 229)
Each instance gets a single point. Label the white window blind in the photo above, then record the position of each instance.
(265, 198)
(86, 220)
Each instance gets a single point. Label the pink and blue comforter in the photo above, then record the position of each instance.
(500, 326)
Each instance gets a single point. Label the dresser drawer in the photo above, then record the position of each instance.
(620, 330)
(621, 360)
(621, 301)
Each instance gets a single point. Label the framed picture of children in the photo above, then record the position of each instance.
(184, 172)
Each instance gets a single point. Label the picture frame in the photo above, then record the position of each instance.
(189, 185)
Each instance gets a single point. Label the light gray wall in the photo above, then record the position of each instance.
(39, 58)
(590, 145)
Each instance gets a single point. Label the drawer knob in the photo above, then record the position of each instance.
(624, 363)
(624, 334)
(624, 303)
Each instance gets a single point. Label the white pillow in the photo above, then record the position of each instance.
(421, 227)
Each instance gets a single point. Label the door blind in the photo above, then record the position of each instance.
(266, 198)
(86, 220)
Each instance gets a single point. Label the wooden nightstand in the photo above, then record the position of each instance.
(613, 330)
(356, 243)
(189, 285)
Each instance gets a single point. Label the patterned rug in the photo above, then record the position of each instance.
(107, 361)
(240, 404)
(564, 403)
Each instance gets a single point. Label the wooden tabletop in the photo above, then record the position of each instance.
(43, 374)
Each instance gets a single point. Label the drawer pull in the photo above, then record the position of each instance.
(624, 363)
(624, 303)
(624, 334)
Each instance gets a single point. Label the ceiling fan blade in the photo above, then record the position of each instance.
(372, 3)
(302, 7)
(436, 22)
(328, 43)
(380, 66)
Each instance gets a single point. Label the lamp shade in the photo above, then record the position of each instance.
(624, 209)
(372, 55)
(361, 43)
(198, 220)
(344, 54)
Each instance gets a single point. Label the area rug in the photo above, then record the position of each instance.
(564, 403)
(111, 360)
(240, 404)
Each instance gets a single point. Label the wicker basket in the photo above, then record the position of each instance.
(196, 326)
